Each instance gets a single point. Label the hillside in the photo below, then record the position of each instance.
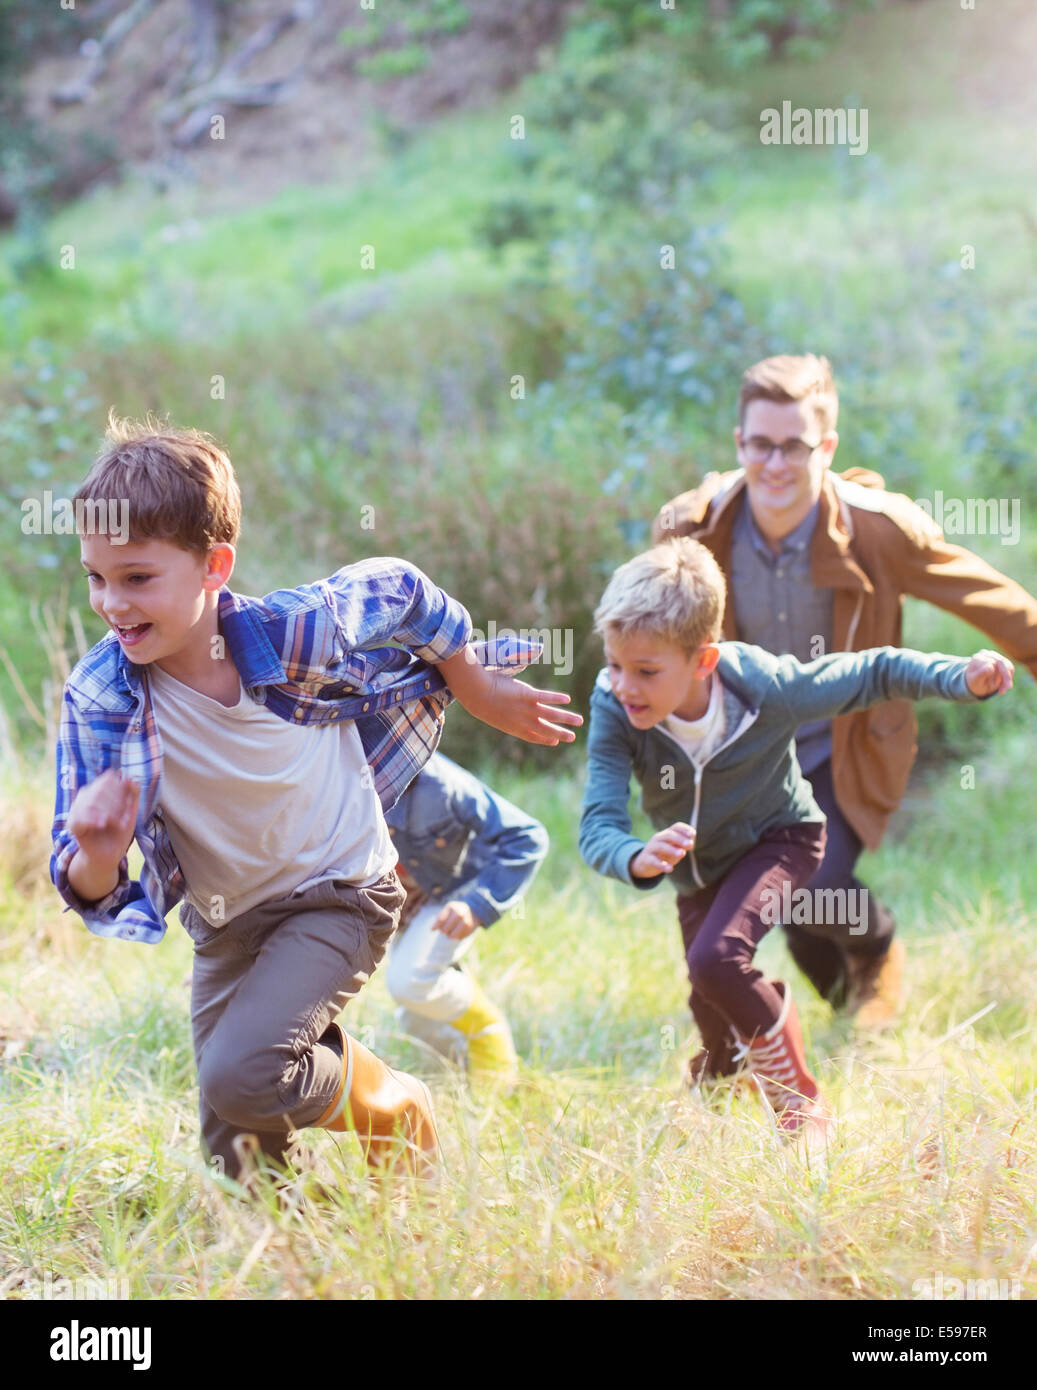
(307, 91)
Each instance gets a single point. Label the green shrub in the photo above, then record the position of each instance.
(394, 62)
(532, 554)
(649, 337)
(735, 33)
(624, 126)
(433, 17)
(437, 17)
(370, 32)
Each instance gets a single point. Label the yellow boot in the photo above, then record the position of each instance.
(491, 1050)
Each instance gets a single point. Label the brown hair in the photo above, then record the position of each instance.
(179, 485)
(789, 380)
(675, 591)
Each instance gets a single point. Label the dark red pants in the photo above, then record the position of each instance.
(723, 925)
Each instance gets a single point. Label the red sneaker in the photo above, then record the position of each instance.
(778, 1066)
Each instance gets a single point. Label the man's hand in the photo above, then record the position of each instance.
(102, 817)
(665, 849)
(455, 920)
(989, 673)
(508, 704)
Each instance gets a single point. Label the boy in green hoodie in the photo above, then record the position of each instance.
(707, 729)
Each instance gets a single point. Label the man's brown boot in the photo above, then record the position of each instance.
(874, 985)
(391, 1111)
(716, 1061)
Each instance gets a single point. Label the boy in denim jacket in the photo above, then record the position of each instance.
(707, 729)
(251, 747)
(466, 856)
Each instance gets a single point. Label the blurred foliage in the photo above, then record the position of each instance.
(386, 25)
(533, 554)
(623, 127)
(532, 371)
(39, 170)
(612, 143)
(394, 62)
(371, 30)
(437, 17)
(731, 34)
(31, 30)
(651, 337)
(996, 389)
(47, 423)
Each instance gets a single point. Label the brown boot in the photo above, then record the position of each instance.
(716, 1061)
(778, 1066)
(391, 1111)
(698, 1071)
(874, 985)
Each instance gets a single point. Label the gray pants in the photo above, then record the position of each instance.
(264, 991)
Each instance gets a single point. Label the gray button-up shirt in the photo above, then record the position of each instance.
(777, 607)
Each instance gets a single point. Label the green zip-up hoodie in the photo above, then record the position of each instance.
(751, 784)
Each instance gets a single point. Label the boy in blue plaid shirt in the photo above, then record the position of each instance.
(251, 747)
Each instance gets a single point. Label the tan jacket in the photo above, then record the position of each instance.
(871, 547)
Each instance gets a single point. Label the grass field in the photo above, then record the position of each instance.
(599, 1178)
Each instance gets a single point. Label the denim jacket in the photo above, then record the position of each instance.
(459, 840)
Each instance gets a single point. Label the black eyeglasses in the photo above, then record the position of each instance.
(758, 449)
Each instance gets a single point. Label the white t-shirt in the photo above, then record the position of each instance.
(257, 807)
(700, 738)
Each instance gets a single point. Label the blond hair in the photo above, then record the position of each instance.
(178, 484)
(790, 380)
(675, 591)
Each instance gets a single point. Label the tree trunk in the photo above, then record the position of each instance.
(100, 51)
(225, 87)
(205, 39)
(8, 207)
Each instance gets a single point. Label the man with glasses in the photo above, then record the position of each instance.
(818, 562)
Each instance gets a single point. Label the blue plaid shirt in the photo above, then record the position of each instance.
(315, 654)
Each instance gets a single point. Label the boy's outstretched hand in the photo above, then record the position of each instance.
(665, 849)
(509, 704)
(989, 673)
